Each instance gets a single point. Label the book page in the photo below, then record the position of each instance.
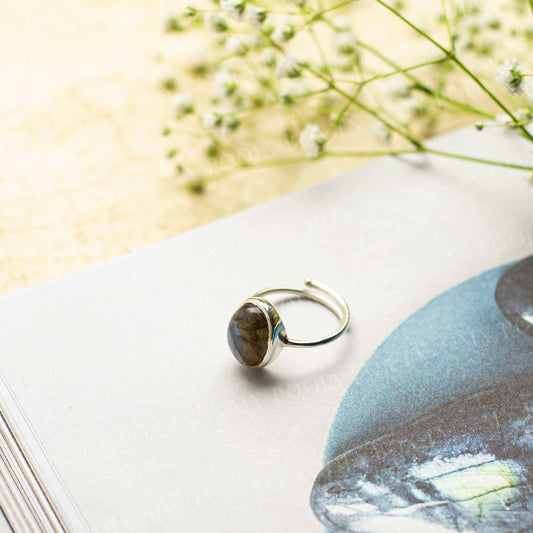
(124, 371)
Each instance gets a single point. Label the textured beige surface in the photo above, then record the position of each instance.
(83, 176)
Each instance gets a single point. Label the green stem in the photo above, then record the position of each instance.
(398, 71)
(364, 107)
(447, 22)
(333, 8)
(320, 51)
(424, 88)
(282, 161)
(515, 119)
(371, 153)
(460, 64)
(477, 159)
(243, 165)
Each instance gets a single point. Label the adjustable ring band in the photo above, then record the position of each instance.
(256, 333)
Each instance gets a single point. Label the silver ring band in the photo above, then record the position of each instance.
(256, 333)
(323, 295)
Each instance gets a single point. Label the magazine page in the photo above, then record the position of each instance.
(125, 374)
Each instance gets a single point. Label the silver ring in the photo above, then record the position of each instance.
(256, 333)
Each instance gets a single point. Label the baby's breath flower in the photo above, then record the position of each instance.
(345, 42)
(234, 8)
(169, 83)
(523, 115)
(179, 169)
(342, 23)
(211, 120)
(415, 106)
(492, 20)
(256, 15)
(472, 6)
(283, 30)
(224, 83)
(509, 76)
(269, 57)
(397, 87)
(463, 41)
(172, 24)
(214, 21)
(182, 104)
(312, 141)
(290, 90)
(471, 24)
(265, 79)
(287, 67)
(236, 46)
(485, 46)
(381, 132)
(211, 147)
(503, 119)
(346, 63)
(256, 40)
(230, 123)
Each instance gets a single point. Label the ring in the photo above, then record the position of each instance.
(256, 333)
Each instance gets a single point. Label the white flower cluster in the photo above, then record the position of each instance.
(345, 42)
(509, 76)
(256, 15)
(224, 83)
(290, 90)
(397, 87)
(254, 68)
(225, 123)
(287, 67)
(281, 29)
(234, 8)
(312, 141)
(182, 104)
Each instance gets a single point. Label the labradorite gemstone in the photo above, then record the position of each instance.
(248, 335)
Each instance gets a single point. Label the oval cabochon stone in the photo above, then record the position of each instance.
(248, 335)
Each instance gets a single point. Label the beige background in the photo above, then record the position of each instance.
(83, 177)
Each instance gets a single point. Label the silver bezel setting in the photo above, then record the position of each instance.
(276, 330)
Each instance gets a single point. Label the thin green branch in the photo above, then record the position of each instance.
(478, 160)
(393, 73)
(447, 22)
(364, 107)
(370, 153)
(461, 65)
(413, 26)
(334, 8)
(283, 161)
(420, 86)
(320, 51)
(489, 93)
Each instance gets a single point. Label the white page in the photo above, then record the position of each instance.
(126, 376)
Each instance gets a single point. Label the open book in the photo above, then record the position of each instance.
(122, 407)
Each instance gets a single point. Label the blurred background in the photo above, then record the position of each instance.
(83, 171)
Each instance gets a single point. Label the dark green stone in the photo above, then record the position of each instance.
(248, 335)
